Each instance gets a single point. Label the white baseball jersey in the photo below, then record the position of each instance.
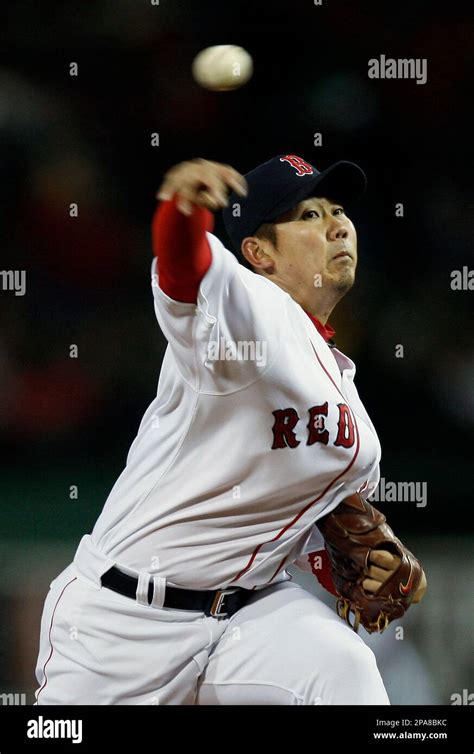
(256, 431)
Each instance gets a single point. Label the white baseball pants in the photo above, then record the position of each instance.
(284, 647)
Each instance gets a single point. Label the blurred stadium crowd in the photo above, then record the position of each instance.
(87, 139)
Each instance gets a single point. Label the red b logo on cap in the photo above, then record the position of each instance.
(301, 167)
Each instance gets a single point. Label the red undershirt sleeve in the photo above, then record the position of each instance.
(322, 573)
(182, 249)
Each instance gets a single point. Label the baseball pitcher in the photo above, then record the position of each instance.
(256, 453)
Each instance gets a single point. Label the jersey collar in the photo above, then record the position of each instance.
(326, 331)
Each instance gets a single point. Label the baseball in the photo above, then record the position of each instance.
(222, 68)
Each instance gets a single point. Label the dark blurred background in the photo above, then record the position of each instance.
(86, 139)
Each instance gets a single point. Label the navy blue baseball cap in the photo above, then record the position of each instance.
(280, 184)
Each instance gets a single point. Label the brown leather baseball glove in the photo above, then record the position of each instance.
(351, 532)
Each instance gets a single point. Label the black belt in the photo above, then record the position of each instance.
(221, 603)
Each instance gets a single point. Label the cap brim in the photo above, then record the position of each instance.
(343, 182)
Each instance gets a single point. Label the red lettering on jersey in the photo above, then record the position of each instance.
(301, 166)
(317, 431)
(286, 420)
(345, 427)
